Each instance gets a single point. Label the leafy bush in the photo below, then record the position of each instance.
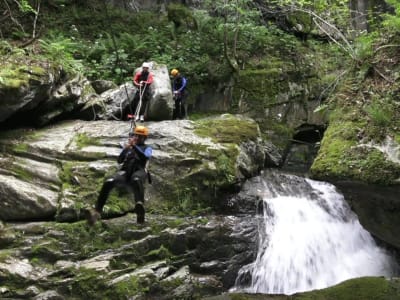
(392, 21)
(60, 50)
(364, 46)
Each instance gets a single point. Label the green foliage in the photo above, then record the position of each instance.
(364, 46)
(226, 169)
(5, 47)
(380, 112)
(60, 50)
(181, 15)
(392, 22)
(25, 7)
(186, 203)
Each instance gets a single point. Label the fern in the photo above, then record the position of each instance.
(60, 50)
(392, 22)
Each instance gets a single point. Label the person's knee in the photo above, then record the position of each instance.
(109, 181)
(135, 180)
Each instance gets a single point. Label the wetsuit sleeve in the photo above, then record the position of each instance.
(144, 154)
(136, 79)
(183, 85)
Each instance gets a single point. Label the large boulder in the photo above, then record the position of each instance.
(41, 96)
(58, 171)
(28, 89)
(161, 104)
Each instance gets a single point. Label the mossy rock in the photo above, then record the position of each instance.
(343, 156)
(15, 77)
(365, 288)
(227, 129)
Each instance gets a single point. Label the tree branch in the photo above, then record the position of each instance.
(15, 21)
(385, 46)
(35, 20)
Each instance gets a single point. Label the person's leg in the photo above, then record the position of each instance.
(183, 110)
(108, 185)
(175, 112)
(145, 102)
(143, 108)
(137, 182)
(135, 102)
(118, 179)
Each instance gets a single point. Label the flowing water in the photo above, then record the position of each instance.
(309, 239)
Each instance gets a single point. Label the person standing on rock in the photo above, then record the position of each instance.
(134, 160)
(142, 80)
(179, 92)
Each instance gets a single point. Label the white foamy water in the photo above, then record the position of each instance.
(312, 242)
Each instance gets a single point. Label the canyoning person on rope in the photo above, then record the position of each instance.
(179, 92)
(134, 160)
(142, 80)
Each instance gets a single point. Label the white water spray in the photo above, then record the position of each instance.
(311, 241)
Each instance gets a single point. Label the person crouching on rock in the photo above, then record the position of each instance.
(134, 160)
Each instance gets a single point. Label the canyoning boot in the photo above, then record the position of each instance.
(92, 217)
(139, 210)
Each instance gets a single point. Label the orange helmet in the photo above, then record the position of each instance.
(141, 130)
(174, 72)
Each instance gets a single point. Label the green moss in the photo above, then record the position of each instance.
(12, 78)
(202, 115)
(48, 251)
(119, 201)
(16, 73)
(175, 223)
(160, 253)
(88, 284)
(82, 183)
(127, 287)
(228, 129)
(213, 172)
(259, 88)
(367, 288)
(21, 147)
(340, 157)
(83, 140)
(133, 286)
(5, 254)
(84, 240)
(22, 173)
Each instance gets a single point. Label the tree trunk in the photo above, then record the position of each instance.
(358, 11)
(365, 12)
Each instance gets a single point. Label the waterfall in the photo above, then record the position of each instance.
(309, 239)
